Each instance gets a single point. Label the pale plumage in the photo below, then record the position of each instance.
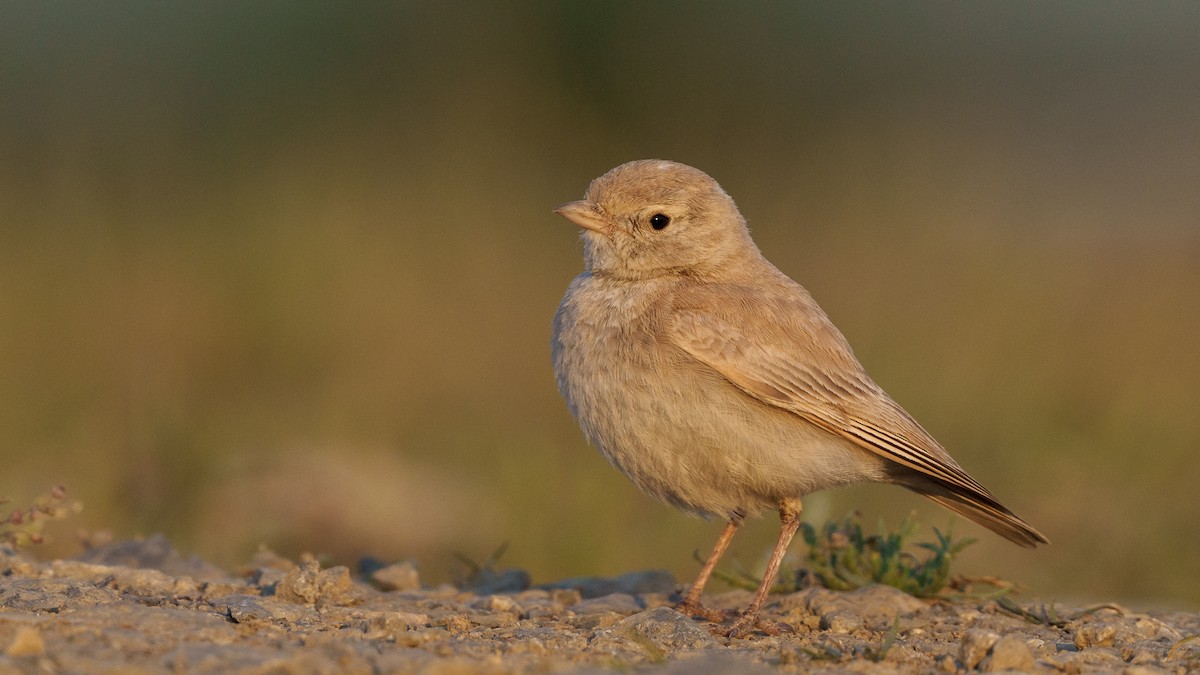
(715, 382)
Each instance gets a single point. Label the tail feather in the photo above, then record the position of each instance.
(983, 509)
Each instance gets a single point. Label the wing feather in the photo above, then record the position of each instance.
(788, 354)
(847, 403)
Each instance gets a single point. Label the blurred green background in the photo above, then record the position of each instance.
(283, 272)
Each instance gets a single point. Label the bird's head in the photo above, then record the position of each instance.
(653, 218)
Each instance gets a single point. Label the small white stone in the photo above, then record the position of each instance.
(1009, 653)
(975, 645)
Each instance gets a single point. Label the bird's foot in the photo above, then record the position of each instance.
(749, 623)
(694, 609)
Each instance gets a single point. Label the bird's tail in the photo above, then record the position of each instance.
(981, 508)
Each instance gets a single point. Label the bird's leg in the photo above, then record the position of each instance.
(691, 602)
(789, 518)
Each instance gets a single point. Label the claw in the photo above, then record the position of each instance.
(695, 609)
(747, 624)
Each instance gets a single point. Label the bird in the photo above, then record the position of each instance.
(715, 382)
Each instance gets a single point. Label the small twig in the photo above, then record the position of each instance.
(1175, 648)
(1047, 615)
(828, 653)
(24, 526)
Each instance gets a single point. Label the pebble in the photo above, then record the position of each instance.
(308, 584)
(975, 645)
(488, 581)
(249, 608)
(52, 595)
(154, 552)
(840, 623)
(274, 615)
(621, 603)
(401, 576)
(660, 631)
(874, 606)
(1009, 653)
(376, 625)
(496, 603)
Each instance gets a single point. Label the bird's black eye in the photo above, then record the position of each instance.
(659, 220)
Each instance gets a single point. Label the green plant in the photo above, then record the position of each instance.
(841, 556)
(475, 570)
(879, 653)
(23, 527)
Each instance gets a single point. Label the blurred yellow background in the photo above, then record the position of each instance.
(283, 272)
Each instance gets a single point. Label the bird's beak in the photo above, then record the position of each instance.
(584, 214)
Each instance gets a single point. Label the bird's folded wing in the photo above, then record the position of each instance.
(806, 369)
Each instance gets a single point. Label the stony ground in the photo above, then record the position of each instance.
(141, 607)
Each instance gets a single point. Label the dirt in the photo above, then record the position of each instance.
(142, 607)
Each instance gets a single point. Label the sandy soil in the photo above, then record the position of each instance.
(141, 607)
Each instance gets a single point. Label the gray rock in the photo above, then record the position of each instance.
(52, 595)
(250, 608)
(154, 552)
(840, 623)
(633, 583)
(266, 578)
(876, 606)
(1096, 658)
(665, 630)
(486, 581)
(621, 603)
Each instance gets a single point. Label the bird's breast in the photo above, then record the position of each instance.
(677, 428)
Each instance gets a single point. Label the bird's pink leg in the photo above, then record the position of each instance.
(789, 518)
(691, 602)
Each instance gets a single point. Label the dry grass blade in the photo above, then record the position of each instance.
(880, 654)
(1047, 615)
(1178, 646)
